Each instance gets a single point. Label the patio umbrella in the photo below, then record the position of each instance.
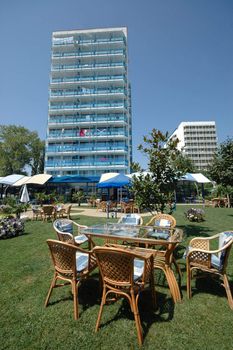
(113, 180)
(24, 198)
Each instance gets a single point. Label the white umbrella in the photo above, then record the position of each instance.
(24, 198)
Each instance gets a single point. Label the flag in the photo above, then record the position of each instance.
(82, 132)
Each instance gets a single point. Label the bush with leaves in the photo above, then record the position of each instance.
(195, 214)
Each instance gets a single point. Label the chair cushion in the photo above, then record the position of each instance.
(130, 220)
(224, 238)
(65, 227)
(215, 261)
(138, 269)
(80, 239)
(81, 261)
(160, 234)
(163, 223)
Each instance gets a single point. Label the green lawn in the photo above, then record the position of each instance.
(204, 322)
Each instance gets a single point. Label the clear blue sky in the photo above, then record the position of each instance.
(180, 59)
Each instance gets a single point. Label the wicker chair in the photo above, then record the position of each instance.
(162, 220)
(48, 212)
(71, 265)
(127, 207)
(65, 211)
(124, 273)
(214, 262)
(36, 212)
(131, 219)
(65, 229)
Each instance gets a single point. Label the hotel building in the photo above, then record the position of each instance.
(89, 120)
(198, 141)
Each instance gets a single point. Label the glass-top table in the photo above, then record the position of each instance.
(160, 241)
(143, 234)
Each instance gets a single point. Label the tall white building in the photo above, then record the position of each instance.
(198, 141)
(89, 121)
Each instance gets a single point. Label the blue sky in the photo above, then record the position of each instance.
(180, 59)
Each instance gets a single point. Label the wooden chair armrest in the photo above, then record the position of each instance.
(203, 238)
(216, 251)
(78, 225)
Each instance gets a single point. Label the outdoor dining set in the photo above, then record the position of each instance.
(49, 211)
(128, 257)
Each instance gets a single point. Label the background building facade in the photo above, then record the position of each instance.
(89, 121)
(198, 141)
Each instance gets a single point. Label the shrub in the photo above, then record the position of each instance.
(194, 214)
(11, 227)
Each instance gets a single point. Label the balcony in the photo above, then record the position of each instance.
(88, 119)
(61, 67)
(87, 149)
(83, 134)
(89, 53)
(87, 106)
(84, 164)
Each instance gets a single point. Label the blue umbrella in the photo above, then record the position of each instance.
(114, 180)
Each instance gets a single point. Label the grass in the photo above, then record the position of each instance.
(204, 322)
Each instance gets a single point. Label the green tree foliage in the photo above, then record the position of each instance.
(221, 169)
(78, 197)
(20, 148)
(184, 164)
(155, 190)
(135, 167)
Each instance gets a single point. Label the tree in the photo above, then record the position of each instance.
(184, 164)
(19, 148)
(37, 150)
(155, 190)
(221, 169)
(135, 167)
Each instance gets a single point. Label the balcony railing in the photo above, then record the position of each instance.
(87, 105)
(78, 163)
(58, 149)
(87, 119)
(85, 91)
(87, 133)
(86, 66)
(88, 78)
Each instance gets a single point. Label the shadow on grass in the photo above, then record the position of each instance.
(88, 294)
(196, 230)
(163, 312)
(211, 286)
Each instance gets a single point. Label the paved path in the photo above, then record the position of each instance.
(76, 210)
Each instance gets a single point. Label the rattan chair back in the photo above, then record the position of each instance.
(117, 271)
(48, 212)
(63, 236)
(161, 216)
(116, 266)
(137, 217)
(64, 257)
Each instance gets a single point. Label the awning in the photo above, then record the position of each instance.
(197, 177)
(21, 181)
(113, 180)
(11, 179)
(74, 179)
(39, 179)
